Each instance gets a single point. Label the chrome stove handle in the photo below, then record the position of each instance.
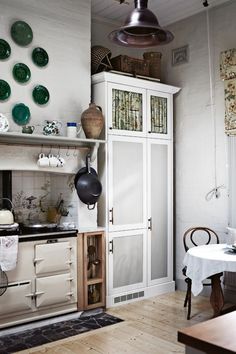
(39, 293)
(38, 260)
(69, 294)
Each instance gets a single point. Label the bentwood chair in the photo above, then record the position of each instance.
(196, 236)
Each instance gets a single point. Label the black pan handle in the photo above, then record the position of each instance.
(88, 163)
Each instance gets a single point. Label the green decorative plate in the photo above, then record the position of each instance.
(21, 114)
(40, 57)
(5, 90)
(21, 33)
(5, 49)
(40, 95)
(21, 72)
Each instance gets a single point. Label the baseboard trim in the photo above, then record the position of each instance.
(139, 294)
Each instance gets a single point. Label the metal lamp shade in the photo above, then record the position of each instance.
(141, 29)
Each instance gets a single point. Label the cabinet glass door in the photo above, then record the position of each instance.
(127, 259)
(127, 181)
(127, 110)
(159, 114)
(159, 211)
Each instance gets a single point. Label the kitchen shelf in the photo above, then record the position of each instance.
(94, 281)
(15, 138)
(91, 270)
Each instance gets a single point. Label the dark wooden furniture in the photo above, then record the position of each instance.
(196, 236)
(214, 336)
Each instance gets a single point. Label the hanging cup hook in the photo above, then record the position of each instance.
(68, 152)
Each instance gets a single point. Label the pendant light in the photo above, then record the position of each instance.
(141, 29)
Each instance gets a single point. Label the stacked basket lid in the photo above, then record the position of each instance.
(100, 59)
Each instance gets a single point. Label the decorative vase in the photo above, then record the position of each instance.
(92, 121)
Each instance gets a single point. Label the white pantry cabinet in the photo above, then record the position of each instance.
(139, 111)
(137, 176)
(126, 183)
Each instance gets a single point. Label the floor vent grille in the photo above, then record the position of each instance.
(128, 297)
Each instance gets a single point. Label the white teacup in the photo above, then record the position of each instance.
(43, 160)
(53, 160)
(61, 161)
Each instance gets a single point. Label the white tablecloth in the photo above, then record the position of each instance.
(207, 260)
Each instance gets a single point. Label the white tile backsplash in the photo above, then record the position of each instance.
(34, 192)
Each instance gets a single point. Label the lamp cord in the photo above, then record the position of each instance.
(215, 191)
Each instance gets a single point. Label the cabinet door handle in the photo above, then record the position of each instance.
(150, 224)
(111, 219)
(110, 128)
(111, 246)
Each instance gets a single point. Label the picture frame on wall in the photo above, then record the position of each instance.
(180, 55)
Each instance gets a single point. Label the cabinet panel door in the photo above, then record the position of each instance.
(127, 183)
(159, 211)
(127, 261)
(126, 110)
(159, 115)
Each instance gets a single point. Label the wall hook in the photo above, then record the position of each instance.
(75, 153)
(68, 152)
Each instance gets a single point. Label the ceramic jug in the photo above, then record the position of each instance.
(52, 127)
(92, 121)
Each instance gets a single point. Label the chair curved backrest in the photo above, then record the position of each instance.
(190, 239)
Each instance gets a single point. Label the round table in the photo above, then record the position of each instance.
(209, 261)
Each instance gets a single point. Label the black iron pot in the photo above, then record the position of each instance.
(87, 185)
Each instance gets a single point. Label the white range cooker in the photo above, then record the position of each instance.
(44, 282)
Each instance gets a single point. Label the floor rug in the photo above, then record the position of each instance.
(49, 333)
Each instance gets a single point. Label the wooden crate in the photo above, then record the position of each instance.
(154, 59)
(130, 65)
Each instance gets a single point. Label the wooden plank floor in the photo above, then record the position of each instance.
(150, 327)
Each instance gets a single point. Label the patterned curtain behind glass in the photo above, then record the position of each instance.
(127, 110)
(228, 75)
(158, 115)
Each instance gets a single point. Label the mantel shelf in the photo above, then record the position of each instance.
(40, 139)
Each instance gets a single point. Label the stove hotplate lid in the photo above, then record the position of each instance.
(10, 227)
(40, 225)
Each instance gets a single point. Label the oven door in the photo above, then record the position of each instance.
(17, 298)
(52, 258)
(53, 290)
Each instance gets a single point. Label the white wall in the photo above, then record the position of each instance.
(62, 28)
(195, 140)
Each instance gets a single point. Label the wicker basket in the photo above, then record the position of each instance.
(130, 65)
(100, 59)
(154, 59)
